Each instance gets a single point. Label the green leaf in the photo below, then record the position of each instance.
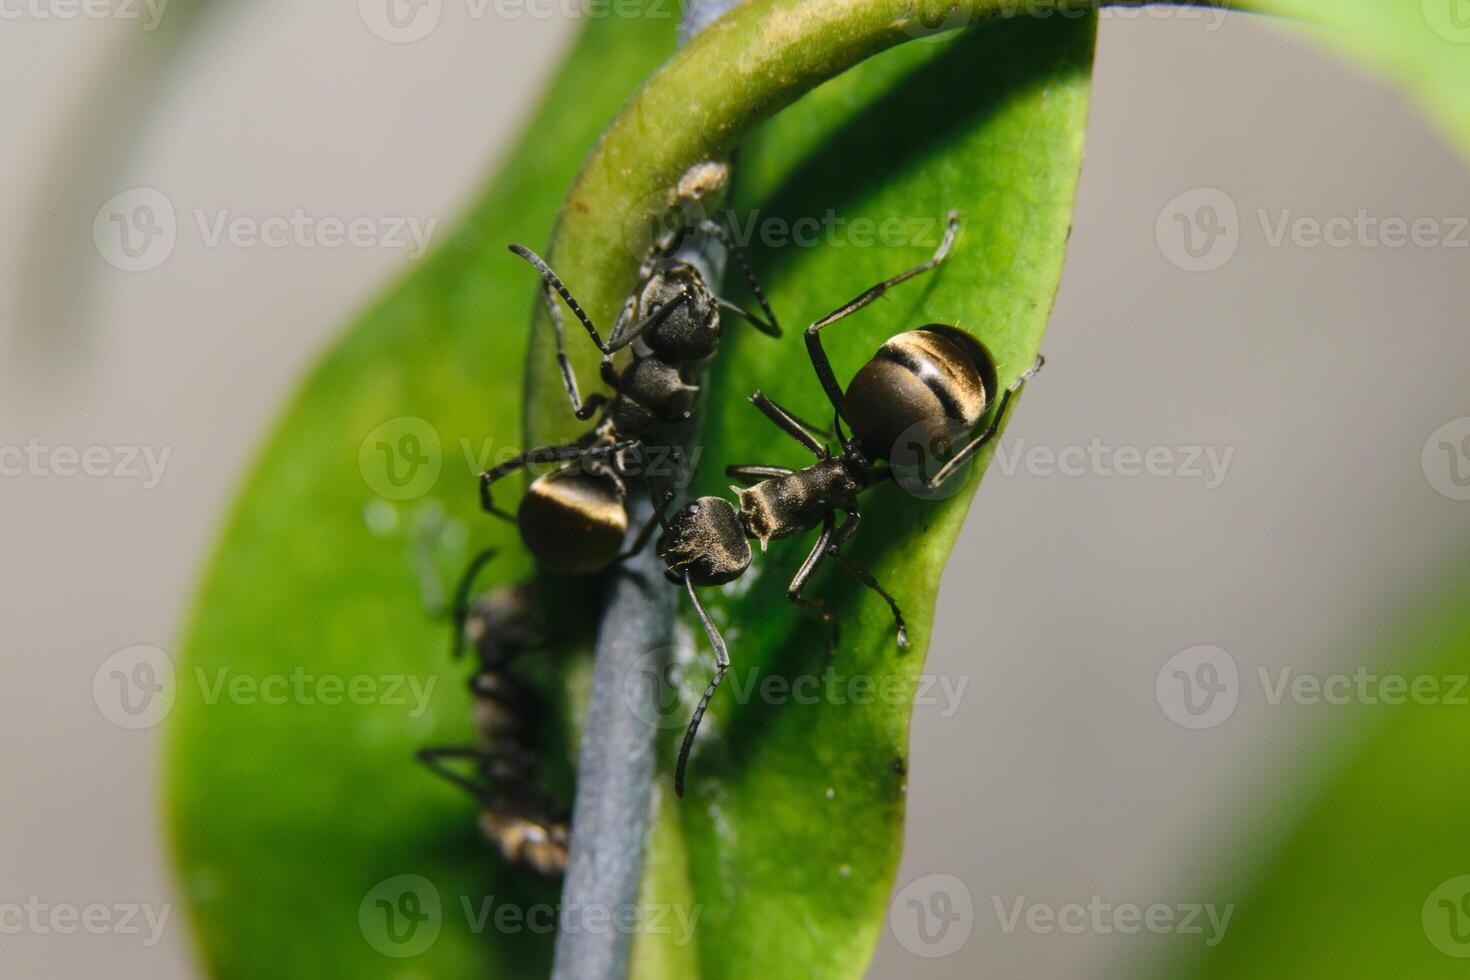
(1374, 880)
(793, 822)
(285, 816)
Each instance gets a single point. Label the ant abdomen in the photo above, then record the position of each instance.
(540, 846)
(929, 386)
(574, 521)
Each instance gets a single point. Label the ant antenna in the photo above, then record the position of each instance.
(1029, 373)
(722, 664)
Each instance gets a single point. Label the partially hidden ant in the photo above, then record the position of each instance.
(517, 813)
(931, 386)
(574, 518)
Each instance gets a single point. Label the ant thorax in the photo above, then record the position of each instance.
(789, 505)
(651, 391)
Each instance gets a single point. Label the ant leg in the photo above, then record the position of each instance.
(844, 534)
(610, 375)
(433, 759)
(722, 664)
(788, 423)
(768, 326)
(747, 316)
(461, 607)
(811, 427)
(975, 445)
(804, 575)
(623, 335)
(658, 520)
(820, 362)
(755, 474)
(546, 454)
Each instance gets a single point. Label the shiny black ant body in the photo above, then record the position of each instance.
(927, 387)
(574, 518)
(517, 813)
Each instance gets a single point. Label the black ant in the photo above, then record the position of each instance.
(518, 815)
(574, 518)
(924, 387)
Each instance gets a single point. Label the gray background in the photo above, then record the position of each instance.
(1059, 777)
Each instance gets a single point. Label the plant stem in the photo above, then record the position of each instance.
(616, 767)
(613, 809)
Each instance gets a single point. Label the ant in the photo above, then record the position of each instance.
(924, 387)
(518, 815)
(574, 518)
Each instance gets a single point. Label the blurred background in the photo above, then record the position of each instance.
(1297, 502)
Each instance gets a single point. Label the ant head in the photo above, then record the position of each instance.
(706, 539)
(691, 330)
(926, 387)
